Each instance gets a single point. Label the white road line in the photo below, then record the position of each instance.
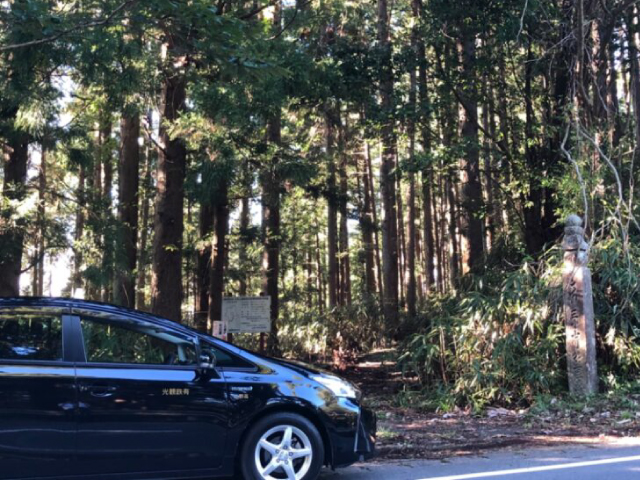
(545, 468)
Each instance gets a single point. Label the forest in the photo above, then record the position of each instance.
(390, 172)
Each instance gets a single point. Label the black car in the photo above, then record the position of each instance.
(89, 390)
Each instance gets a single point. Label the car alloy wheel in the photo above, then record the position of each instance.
(284, 452)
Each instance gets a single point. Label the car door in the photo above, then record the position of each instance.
(143, 404)
(37, 394)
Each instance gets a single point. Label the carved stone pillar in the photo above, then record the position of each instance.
(578, 311)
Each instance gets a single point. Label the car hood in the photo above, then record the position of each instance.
(302, 368)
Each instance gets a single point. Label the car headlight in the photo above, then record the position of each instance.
(339, 387)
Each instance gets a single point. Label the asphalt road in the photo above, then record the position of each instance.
(580, 463)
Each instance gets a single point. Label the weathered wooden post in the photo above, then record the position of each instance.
(578, 311)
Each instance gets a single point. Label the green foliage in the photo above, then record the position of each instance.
(618, 403)
(501, 340)
(497, 336)
(352, 330)
(617, 304)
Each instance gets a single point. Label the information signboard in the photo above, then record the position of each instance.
(247, 314)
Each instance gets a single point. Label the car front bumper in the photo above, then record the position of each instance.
(366, 437)
(352, 433)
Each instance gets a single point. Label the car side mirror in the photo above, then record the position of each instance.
(207, 364)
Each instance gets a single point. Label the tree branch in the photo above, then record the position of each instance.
(578, 173)
(524, 13)
(82, 26)
(290, 22)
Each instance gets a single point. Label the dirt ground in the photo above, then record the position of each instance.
(405, 432)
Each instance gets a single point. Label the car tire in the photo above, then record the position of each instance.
(282, 446)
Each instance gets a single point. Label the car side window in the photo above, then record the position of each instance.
(30, 337)
(109, 342)
(223, 358)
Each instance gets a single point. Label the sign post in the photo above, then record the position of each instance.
(246, 314)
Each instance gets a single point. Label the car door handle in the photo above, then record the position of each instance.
(101, 391)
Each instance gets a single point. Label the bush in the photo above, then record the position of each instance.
(349, 330)
(500, 340)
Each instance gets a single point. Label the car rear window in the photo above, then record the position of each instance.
(30, 337)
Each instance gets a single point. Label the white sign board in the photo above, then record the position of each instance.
(247, 314)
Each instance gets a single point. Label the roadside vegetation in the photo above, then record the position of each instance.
(394, 175)
(500, 340)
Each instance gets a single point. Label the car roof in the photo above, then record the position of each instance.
(90, 305)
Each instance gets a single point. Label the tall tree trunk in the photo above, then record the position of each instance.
(427, 175)
(454, 251)
(16, 156)
(166, 288)
(321, 284)
(428, 228)
(599, 36)
(471, 201)
(332, 214)
(411, 197)
(420, 261)
(108, 239)
(438, 231)
(345, 265)
(308, 271)
(203, 267)
(81, 197)
(374, 214)
(40, 247)
(128, 188)
(613, 107)
(532, 209)
(402, 245)
(449, 119)
(271, 238)
(367, 228)
(458, 214)
(243, 260)
(602, 32)
(555, 160)
(497, 216)
(189, 266)
(504, 131)
(411, 247)
(145, 201)
(387, 172)
(271, 186)
(490, 223)
(218, 252)
(93, 196)
(634, 70)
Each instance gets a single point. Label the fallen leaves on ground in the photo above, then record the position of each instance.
(407, 433)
